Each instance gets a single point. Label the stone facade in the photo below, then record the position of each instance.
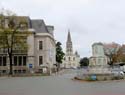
(41, 50)
(71, 60)
(98, 56)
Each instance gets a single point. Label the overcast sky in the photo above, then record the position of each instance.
(89, 21)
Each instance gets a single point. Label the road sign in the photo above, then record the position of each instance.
(30, 66)
(93, 77)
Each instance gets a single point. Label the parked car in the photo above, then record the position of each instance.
(118, 73)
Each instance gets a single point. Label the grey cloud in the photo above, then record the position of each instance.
(89, 20)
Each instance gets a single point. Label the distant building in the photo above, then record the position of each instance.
(102, 51)
(71, 60)
(98, 55)
(40, 55)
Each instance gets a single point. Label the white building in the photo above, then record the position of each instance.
(71, 60)
(98, 56)
(40, 54)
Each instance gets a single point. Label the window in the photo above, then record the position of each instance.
(40, 60)
(69, 58)
(23, 25)
(99, 61)
(15, 60)
(70, 49)
(23, 71)
(4, 61)
(19, 71)
(96, 51)
(24, 60)
(15, 71)
(0, 61)
(74, 58)
(4, 71)
(20, 60)
(40, 45)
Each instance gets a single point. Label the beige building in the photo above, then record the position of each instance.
(102, 56)
(40, 56)
(98, 55)
(100, 51)
(71, 60)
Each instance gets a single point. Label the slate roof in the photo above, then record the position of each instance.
(39, 26)
(19, 19)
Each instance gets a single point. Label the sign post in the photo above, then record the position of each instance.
(30, 68)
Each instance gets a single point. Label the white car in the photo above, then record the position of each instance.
(118, 73)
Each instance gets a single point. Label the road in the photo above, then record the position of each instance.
(58, 85)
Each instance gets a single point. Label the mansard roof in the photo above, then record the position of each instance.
(39, 26)
(18, 19)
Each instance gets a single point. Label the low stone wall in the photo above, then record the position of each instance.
(98, 77)
(29, 75)
(104, 76)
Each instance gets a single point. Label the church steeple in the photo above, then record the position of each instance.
(69, 48)
(69, 37)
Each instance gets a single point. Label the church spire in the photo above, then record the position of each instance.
(69, 49)
(69, 37)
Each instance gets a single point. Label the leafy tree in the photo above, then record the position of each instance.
(11, 39)
(111, 57)
(120, 55)
(59, 54)
(84, 62)
(111, 50)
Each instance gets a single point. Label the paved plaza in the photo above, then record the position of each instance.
(58, 85)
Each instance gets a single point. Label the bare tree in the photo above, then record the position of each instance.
(111, 50)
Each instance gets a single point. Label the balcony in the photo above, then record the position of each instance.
(14, 51)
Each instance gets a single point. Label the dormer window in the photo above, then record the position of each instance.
(23, 25)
